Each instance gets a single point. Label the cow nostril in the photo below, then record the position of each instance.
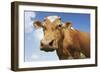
(51, 43)
(42, 44)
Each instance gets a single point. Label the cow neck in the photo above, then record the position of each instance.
(61, 33)
(60, 44)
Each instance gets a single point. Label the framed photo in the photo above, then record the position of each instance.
(52, 36)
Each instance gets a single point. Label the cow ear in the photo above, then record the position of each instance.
(37, 24)
(68, 25)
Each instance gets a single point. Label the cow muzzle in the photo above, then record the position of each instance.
(47, 46)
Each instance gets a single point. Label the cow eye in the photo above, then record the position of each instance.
(59, 18)
(59, 26)
(44, 28)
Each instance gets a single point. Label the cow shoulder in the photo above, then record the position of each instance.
(71, 38)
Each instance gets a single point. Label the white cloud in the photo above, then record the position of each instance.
(39, 33)
(52, 18)
(29, 19)
(34, 57)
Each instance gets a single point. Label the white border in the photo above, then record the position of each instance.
(23, 64)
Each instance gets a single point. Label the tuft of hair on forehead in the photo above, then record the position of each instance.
(52, 18)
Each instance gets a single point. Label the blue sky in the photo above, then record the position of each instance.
(32, 36)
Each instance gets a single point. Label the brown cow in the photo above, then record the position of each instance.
(67, 42)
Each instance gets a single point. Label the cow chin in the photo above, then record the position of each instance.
(47, 49)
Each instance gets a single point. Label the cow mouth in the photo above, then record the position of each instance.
(47, 48)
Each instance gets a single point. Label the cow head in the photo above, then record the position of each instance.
(52, 27)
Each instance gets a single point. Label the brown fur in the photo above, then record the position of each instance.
(74, 43)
